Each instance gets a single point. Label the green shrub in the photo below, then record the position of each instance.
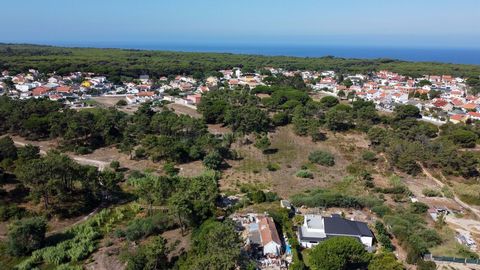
(326, 198)
(381, 210)
(383, 236)
(304, 174)
(115, 165)
(82, 240)
(369, 156)
(273, 167)
(447, 192)
(418, 207)
(321, 157)
(122, 102)
(25, 236)
(141, 228)
(83, 150)
(431, 192)
(280, 119)
(257, 196)
(468, 193)
(12, 211)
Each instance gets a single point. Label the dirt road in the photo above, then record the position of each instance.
(474, 210)
(101, 165)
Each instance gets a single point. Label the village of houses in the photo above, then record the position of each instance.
(439, 98)
(262, 239)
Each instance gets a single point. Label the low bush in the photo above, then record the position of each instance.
(369, 156)
(83, 150)
(141, 228)
(273, 167)
(324, 198)
(383, 236)
(12, 211)
(381, 210)
(431, 192)
(80, 241)
(469, 193)
(304, 174)
(321, 157)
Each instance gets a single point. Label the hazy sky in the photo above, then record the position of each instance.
(400, 23)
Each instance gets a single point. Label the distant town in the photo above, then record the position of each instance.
(439, 98)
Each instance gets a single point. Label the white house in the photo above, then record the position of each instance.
(316, 228)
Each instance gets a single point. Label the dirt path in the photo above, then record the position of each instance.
(81, 220)
(474, 211)
(101, 165)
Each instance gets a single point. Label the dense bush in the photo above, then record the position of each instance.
(431, 192)
(141, 228)
(304, 174)
(78, 242)
(324, 198)
(412, 233)
(383, 236)
(321, 157)
(11, 211)
(369, 156)
(27, 235)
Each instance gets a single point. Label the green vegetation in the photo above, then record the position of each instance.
(411, 231)
(304, 174)
(383, 236)
(321, 157)
(431, 192)
(152, 255)
(338, 253)
(215, 246)
(78, 242)
(25, 236)
(324, 198)
(385, 260)
(118, 64)
(171, 201)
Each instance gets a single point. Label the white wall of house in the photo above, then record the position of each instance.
(272, 248)
(367, 241)
(306, 244)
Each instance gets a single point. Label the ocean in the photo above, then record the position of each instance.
(443, 55)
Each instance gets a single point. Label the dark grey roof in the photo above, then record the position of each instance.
(339, 226)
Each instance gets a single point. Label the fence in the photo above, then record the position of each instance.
(430, 257)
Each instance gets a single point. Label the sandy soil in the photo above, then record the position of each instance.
(290, 152)
(106, 258)
(181, 109)
(107, 101)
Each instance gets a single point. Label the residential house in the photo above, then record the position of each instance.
(317, 228)
(270, 239)
(40, 91)
(195, 99)
(458, 118)
(474, 115)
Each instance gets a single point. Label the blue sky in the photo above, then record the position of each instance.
(401, 23)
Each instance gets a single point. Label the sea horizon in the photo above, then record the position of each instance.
(469, 56)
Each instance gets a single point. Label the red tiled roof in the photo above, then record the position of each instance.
(458, 117)
(470, 106)
(268, 231)
(40, 91)
(440, 103)
(474, 114)
(146, 94)
(64, 89)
